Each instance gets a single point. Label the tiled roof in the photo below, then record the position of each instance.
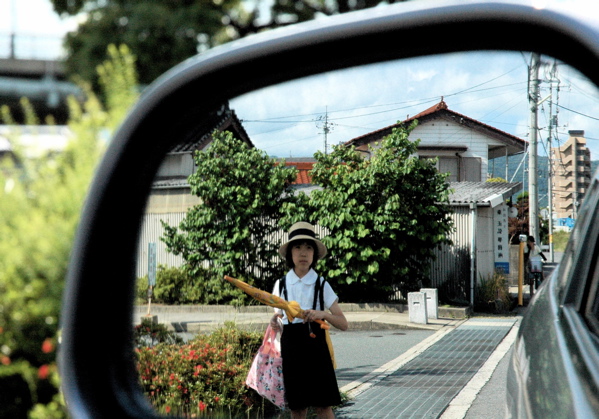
(303, 171)
(481, 193)
(221, 120)
(442, 110)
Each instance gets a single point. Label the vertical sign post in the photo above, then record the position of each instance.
(151, 272)
(500, 238)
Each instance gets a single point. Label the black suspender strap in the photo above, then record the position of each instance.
(283, 289)
(318, 292)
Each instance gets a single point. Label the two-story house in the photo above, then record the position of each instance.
(463, 147)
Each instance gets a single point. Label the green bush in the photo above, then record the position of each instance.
(175, 286)
(560, 239)
(205, 376)
(492, 294)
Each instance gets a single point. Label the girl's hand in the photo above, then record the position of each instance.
(274, 322)
(312, 315)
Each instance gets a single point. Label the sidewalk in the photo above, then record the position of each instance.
(203, 319)
(425, 384)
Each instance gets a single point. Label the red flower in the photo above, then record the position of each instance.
(5, 360)
(168, 409)
(202, 406)
(43, 372)
(47, 346)
(216, 399)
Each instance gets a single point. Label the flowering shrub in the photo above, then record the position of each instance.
(204, 377)
(149, 333)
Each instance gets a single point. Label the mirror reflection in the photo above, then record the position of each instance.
(501, 138)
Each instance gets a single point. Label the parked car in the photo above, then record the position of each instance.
(555, 370)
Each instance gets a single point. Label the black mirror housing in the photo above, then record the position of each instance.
(98, 377)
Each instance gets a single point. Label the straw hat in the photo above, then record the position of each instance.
(299, 231)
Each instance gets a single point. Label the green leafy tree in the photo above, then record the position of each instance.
(520, 225)
(162, 33)
(40, 204)
(241, 191)
(385, 216)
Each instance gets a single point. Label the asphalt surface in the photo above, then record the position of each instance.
(358, 353)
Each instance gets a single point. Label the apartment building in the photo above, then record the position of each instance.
(572, 175)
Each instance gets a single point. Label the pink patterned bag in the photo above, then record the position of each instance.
(266, 373)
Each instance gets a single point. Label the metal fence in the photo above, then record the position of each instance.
(31, 47)
(449, 273)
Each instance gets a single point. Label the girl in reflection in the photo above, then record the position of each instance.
(308, 370)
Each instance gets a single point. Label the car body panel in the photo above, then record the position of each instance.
(553, 371)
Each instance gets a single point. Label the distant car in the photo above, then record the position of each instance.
(555, 369)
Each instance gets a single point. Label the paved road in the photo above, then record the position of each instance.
(360, 352)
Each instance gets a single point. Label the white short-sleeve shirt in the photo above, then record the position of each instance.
(302, 291)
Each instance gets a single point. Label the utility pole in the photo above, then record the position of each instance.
(326, 128)
(533, 192)
(13, 28)
(552, 123)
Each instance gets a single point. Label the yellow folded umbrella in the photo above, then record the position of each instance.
(291, 308)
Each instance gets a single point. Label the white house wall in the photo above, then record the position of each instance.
(441, 132)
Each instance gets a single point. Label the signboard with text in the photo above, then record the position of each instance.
(501, 247)
(151, 264)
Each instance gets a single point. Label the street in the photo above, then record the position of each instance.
(360, 352)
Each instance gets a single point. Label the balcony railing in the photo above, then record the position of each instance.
(31, 47)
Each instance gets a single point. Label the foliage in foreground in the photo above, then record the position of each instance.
(40, 202)
(205, 376)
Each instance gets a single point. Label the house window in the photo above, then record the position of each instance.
(470, 169)
(460, 169)
(449, 165)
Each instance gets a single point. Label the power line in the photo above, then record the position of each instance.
(578, 113)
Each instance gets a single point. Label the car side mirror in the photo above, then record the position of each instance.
(96, 361)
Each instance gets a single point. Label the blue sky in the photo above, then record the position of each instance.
(489, 87)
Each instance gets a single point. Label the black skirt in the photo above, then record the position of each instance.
(308, 371)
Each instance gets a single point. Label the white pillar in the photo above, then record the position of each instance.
(417, 307)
